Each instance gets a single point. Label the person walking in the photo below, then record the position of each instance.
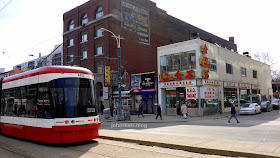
(140, 112)
(184, 110)
(112, 110)
(233, 113)
(102, 108)
(159, 111)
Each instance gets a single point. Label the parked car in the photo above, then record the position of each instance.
(250, 108)
(275, 104)
(266, 106)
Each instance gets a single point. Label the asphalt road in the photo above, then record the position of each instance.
(262, 127)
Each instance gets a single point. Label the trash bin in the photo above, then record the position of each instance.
(106, 113)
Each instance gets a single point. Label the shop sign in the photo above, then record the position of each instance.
(203, 49)
(230, 85)
(211, 83)
(143, 90)
(107, 76)
(244, 85)
(204, 62)
(165, 76)
(183, 83)
(105, 93)
(142, 81)
(254, 86)
(209, 92)
(205, 74)
(243, 92)
(191, 93)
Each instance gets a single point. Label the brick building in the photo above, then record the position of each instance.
(143, 26)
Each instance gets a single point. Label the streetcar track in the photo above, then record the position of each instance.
(88, 152)
(10, 150)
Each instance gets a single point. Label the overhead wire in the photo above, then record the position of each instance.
(6, 5)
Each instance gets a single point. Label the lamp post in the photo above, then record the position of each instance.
(118, 39)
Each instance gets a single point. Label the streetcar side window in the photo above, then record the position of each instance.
(31, 96)
(43, 101)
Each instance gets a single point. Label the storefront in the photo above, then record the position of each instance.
(230, 94)
(143, 92)
(244, 91)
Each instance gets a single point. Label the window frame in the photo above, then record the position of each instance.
(84, 36)
(84, 19)
(229, 68)
(213, 65)
(71, 25)
(243, 72)
(255, 73)
(98, 31)
(99, 12)
(97, 46)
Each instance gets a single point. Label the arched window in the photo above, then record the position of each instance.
(99, 12)
(71, 25)
(85, 18)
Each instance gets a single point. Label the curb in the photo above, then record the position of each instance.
(191, 148)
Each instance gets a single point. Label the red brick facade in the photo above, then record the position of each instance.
(136, 57)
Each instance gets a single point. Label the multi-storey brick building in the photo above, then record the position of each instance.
(143, 26)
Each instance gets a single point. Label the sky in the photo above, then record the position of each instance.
(35, 26)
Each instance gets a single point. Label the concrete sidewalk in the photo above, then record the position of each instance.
(200, 145)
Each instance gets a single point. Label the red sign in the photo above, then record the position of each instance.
(203, 49)
(205, 74)
(204, 62)
(165, 77)
(191, 92)
(143, 90)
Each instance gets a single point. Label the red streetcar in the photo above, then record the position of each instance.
(52, 104)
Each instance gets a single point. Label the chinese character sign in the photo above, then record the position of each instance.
(210, 92)
(191, 93)
(107, 76)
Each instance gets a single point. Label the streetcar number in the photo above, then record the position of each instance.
(89, 110)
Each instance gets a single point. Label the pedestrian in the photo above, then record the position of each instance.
(112, 110)
(102, 108)
(159, 111)
(184, 110)
(140, 112)
(233, 113)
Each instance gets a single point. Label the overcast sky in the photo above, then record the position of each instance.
(35, 26)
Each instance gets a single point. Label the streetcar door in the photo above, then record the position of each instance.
(1, 103)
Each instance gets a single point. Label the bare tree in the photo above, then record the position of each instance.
(267, 59)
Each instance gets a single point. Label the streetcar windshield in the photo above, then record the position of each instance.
(72, 97)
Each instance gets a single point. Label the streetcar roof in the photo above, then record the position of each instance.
(48, 70)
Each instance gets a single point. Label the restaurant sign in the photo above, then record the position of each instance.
(165, 76)
(191, 93)
(184, 83)
(211, 83)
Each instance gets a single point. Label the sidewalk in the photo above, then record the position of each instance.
(200, 145)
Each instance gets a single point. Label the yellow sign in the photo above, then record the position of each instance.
(107, 76)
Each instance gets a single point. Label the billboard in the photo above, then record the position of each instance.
(143, 82)
(136, 18)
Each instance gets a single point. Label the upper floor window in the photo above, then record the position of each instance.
(84, 52)
(99, 12)
(99, 49)
(254, 74)
(71, 25)
(84, 36)
(98, 31)
(243, 71)
(229, 68)
(85, 19)
(70, 42)
(213, 64)
(179, 61)
(70, 56)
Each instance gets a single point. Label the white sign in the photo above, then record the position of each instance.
(209, 92)
(244, 85)
(182, 83)
(211, 83)
(89, 110)
(191, 93)
(230, 85)
(105, 93)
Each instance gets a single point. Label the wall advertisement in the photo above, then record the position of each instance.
(136, 18)
(191, 93)
(207, 92)
(143, 82)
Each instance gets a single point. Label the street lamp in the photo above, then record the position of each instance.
(118, 39)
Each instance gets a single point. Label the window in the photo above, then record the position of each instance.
(229, 68)
(98, 65)
(213, 65)
(71, 25)
(98, 31)
(243, 71)
(84, 53)
(85, 19)
(179, 61)
(99, 13)
(70, 56)
(70, 42)
(254, 74)
(84, 36)
(99, 49)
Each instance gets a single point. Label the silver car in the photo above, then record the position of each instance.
(250, 108)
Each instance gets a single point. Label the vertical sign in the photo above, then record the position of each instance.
(107, 76)
(105, 93)
(136, 18)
